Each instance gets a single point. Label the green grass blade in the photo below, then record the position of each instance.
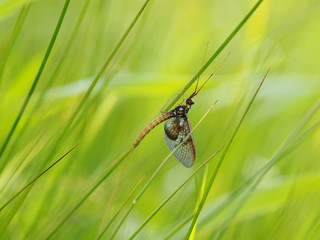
(156, 173)
(171, 196)
(34, 84)
(213, 176)
(217, 52)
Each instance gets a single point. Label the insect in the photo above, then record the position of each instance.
(176, 129)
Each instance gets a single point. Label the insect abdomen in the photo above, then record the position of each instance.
(152, 125)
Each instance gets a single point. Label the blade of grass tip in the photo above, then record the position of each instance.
(35, 82)
(145, 187)
(171, 196)
(221, 160)
(17, 28)
(104, 174)
(119, 210)
(35, 179)
(217, 52)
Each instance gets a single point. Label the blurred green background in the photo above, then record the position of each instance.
(161, 54)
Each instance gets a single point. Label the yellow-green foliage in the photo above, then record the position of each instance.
(268, 184)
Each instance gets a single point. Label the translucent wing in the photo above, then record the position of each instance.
(176, 129)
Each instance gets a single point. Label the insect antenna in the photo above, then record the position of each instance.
(204, 58)
(196, 92)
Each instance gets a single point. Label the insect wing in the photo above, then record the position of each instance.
(176, 129)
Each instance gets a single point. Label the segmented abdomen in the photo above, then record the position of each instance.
(152, 125)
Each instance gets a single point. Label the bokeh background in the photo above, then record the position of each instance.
(162, 53)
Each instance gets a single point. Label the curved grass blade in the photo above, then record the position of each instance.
(155, 174)
(34, 180)
(213, 176)
(34, 84)
(171, 196)
(217, 52)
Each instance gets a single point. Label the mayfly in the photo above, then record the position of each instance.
(176, 129)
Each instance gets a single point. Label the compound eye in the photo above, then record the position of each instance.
(190, 101)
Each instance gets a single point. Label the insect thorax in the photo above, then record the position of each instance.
(180, 111)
